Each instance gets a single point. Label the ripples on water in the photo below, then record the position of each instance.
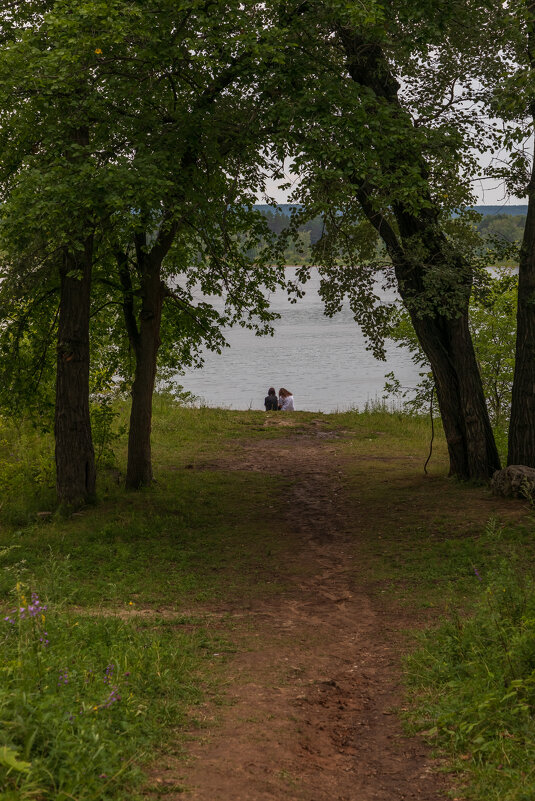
(322, 360)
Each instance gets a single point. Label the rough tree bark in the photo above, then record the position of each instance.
(144, 335)
(145, 341)
(447, 343)
(443, 335)
(521, 448)
(75, 458)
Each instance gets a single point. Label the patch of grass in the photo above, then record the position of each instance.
(190, 538)
(473, 681)
(85, 700)
(198, 533)
(435, 565)
(27, 479)
(424, 532)
(183, 435)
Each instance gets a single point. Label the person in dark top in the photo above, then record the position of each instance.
(271, 402)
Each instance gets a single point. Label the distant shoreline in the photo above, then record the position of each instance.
(494, 209)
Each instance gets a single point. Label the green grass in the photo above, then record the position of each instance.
(424, 533)
(199, 534)
(473, 684)
(196, 533)
(206, 534)
(167, 545)
(433, 564)
(84, 700)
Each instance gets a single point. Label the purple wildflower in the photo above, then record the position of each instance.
(477, 574)
(63, 677)
(112, 698)
(33, 609)
(36, 607)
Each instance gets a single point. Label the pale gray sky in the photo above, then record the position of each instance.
(488, 192)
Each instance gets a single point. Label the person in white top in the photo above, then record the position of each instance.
(286, 400)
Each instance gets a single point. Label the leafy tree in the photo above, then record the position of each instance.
(131, 140)
(384, 85)
(44, 169)
(493, 326)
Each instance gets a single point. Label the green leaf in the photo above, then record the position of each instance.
(8, 758)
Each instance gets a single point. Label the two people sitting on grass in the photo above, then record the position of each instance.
(284, 403)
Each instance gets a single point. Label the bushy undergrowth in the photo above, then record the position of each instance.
(27, 479)
(474, 681)
(82, 697)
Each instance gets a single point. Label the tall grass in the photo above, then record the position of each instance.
(473, 681)
(84, 699)
(27, 480)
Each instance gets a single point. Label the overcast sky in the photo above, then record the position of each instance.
(488, 193)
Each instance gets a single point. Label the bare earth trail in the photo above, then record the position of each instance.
(316, 675)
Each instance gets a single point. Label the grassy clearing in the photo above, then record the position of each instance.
(206, 535)
(206, 522)
(425, 534)
(88, 697)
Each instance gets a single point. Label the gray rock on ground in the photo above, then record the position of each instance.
(515, 481)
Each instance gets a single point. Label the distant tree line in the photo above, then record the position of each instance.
(508, 227)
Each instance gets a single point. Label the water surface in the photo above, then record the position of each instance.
(322, 360)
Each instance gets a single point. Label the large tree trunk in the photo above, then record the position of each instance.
(75, 458)
(521, 449)
(145, 339)
(446, 340)
(444, 335)
(447, 344)
(522, 424)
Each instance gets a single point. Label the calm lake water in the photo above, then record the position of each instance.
(323, 361)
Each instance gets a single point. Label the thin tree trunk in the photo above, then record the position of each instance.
(145, 339)
(75, 458)
(139, 468)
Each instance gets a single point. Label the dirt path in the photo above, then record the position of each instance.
(313, 684)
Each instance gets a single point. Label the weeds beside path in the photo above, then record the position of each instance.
(312, 690)
(274, 570)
